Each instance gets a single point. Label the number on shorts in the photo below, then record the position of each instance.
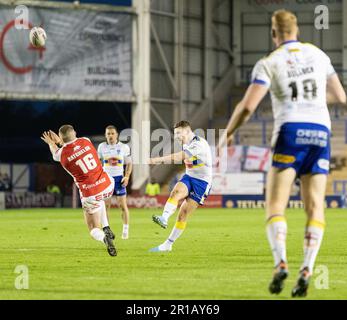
(87, 163)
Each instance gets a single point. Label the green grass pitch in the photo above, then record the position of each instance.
(223, 254)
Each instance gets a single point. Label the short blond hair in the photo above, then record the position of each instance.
(67, 132)
(284, 22)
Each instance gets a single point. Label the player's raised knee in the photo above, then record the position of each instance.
(175, 194)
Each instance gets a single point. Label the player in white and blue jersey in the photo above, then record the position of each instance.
(194, 186)
(301, 81)
(114, 156)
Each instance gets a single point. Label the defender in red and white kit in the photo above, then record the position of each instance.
(80, 159)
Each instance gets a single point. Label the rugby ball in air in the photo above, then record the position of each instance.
(37, 37)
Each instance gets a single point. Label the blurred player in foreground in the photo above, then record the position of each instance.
(80, 159)
(194, 186)
(301, 81)
(114, 155)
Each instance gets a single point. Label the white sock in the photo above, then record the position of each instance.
(276, 230)
(103, 215)
(312, 242)
(97, 234)
(169, 208)
(175, 233)
(125, 228)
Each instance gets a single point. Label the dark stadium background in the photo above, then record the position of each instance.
(22, 123)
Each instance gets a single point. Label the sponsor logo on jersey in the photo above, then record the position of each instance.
(113, 162)
(104, 196)
(88, 186)
(312, 137)
(283, 158)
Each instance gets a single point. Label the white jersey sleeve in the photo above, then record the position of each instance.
(99, 150)
(57, 155)
(261, 74)
(330, 68)
(127, 154)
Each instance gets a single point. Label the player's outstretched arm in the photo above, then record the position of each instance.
(174, 157)
(128, 169)
(335, 90)
(46, 137)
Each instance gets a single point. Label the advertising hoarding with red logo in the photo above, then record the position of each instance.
(212, 201)
(87, 55)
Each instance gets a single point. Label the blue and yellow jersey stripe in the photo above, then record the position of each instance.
(113, 162)
(196, 162)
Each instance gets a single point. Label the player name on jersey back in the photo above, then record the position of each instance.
(299, 72)
(296, 74)
(77, 154)
(80, 159)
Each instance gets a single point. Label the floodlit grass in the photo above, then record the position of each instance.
(223, 254)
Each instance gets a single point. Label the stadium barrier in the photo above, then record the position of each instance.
(29, 200)
(213, 201)
(12, 200)
(258, 201)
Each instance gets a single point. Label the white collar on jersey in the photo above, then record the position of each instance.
(195, 137)
(67, 143)
(288, 41)
(114, 144)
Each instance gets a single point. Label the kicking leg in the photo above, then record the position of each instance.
(179, 192)
(187, 207)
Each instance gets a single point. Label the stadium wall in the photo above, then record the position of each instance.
(229, 201)
(16, 200)
(258, 201)
(254, 16)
